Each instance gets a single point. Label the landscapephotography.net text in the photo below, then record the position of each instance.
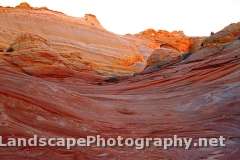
(119, 141)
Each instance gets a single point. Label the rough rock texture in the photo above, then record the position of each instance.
(162, 57)
(196, 97)
(175, 40)
(24, 5)
(33, 55)
(92, 21)
(197, 43)
(80, 40)
(227, 35)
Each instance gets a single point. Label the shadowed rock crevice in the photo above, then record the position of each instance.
(9, 49)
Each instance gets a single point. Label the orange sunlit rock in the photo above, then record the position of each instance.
(62, 76)
(24, 5)
(176, 40)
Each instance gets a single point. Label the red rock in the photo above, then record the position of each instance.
(33, 55)
(49, 86)
(81, 41)
(162, 57)
(227, 35)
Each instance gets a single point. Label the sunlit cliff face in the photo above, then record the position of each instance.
(195, 18)
(62, 76)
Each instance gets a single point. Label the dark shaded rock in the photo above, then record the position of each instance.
(112, 80)
(185, 55)
(10, 49)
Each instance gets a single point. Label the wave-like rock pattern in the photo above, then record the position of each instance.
(50, 85)
(80, 40)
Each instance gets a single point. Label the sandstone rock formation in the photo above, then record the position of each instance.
(227, 35)
(33, 55)
(175, 40)
(82, 41)
(162, 57)
(92, 20)
(60, 77)
(24, 5)
(197, 43)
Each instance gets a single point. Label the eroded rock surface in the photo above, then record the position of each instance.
(227, 35)
(83, 41)
(162, 57)
(174, 40)
(54, 81)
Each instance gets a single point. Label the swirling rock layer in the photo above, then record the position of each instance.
(54, 81)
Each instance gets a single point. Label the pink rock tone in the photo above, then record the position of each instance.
(227, 35)
(82, 41)
(62, 76)
(162, 57)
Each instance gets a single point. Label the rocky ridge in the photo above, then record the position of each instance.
(71, 79)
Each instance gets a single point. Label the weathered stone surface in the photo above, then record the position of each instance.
(196, 97)
(24, 5)
(33, 55)
(228, 34)
(174, 40)
(82, 41)
(197, 43)
(162, 57)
